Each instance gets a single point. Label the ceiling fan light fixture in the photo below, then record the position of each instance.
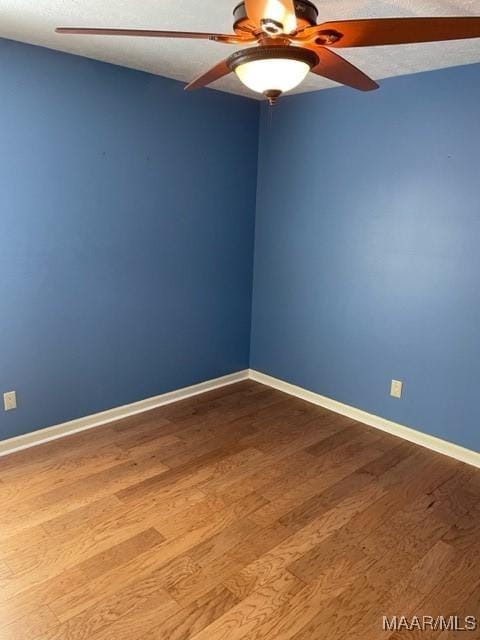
(272, 70)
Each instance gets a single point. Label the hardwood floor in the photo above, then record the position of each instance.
(241, 513)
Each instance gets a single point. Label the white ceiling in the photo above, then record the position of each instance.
(34, 21)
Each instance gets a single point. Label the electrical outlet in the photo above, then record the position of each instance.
(10, 400)
(396, 389)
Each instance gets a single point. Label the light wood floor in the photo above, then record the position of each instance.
(241, 513)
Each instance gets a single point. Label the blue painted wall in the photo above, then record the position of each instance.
(126, 238)
(367, 254)
(127, 222)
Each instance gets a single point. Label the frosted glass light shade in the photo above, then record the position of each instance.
(274, 74)
(272, 69)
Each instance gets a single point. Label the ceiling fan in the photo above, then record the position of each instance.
(290, 43)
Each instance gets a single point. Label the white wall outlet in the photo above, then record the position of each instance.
(10, 400)
(396, 389)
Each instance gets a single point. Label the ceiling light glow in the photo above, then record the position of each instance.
(276, 74)
(272, 70)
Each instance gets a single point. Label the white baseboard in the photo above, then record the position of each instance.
(96, 420)
(407, 433)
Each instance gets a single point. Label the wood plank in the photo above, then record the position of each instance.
(248, 614)
(241, 513)
(85, 594)
(29, 626)
(138, 622)
(306, 603)
(63, 553)
(120, 553)
(42, 593)
(40, 509)
(294, 547)
(137, 600)
(67, 524)
(194, 618)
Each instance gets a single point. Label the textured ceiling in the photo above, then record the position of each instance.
(34, 21)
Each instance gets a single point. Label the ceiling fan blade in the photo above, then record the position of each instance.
(390, 31)
(334, 67)
(153, 33)
(217, 72)
(281, 11)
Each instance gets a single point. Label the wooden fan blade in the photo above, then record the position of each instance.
(220, 70)
(281, 11)
(152, 33)
(390, 31)
(334, 67)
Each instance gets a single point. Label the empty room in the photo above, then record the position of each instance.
(239, 320)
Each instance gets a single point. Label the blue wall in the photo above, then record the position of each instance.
(126, 243)
(367, 254)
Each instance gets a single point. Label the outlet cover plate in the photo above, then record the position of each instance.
(10, 400)
(396, 389)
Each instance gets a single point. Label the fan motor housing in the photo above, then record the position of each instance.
(306, 12)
